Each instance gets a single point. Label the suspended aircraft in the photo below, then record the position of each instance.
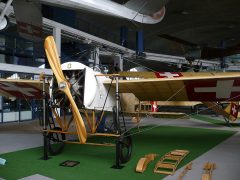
(28, 14)
(79, 91)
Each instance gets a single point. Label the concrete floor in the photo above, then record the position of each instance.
(15, 136)
(225, 155)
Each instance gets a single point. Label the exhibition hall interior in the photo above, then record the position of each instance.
(116, 89)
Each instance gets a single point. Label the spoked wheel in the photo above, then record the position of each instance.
(55, 142)
(125, 141)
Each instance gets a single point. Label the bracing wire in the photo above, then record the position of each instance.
(155, 126)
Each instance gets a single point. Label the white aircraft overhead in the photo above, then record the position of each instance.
(29, 16)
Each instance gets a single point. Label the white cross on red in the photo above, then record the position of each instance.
(154, 106)
(168, 74)
(234, 110)
(223, 89)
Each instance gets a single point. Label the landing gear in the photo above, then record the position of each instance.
(125, 142)
(123, 150)
(55, 142)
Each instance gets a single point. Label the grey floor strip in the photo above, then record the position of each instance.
(36, 177)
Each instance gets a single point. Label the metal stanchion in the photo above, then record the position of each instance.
(45, 138)
(118, 143)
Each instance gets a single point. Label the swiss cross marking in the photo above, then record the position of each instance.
(234, 110)
(154, 106)
(168, 74)
(213, 89)
(223, 89)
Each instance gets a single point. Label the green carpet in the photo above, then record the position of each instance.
(214, 121)
(95, 161)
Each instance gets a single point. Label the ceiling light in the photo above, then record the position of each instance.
(184, 12)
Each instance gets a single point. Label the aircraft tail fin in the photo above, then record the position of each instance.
(228, 112)
(232, 110)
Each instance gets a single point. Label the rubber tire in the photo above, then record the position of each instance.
(125, 141)
(53, 150)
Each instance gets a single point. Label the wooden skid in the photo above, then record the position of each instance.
(169, 162)
(143, 162)
(208, 167)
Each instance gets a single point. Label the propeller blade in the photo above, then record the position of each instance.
(80, 126)
(51, 52)
(54, 62)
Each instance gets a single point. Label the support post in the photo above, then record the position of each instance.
(1, 108)
(57, 37)
(118, 143)
(19, 110)
(223, 59)
(124, 36)
(140, 43)
(117, 106)
(118, 162)
(45, 146)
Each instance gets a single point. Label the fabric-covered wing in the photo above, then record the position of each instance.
(27, 89)
(186, 87)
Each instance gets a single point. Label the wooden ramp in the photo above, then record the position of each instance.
(170, 161)
(143, 162)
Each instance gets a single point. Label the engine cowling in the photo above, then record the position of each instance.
(82, 80)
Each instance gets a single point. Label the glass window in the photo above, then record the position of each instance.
(10, 105)
(25, 105)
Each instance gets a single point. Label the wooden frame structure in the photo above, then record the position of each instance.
(169, 162)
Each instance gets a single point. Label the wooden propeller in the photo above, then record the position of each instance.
(63, 85)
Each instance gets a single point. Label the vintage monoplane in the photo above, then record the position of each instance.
(78, 90)
(28, 14)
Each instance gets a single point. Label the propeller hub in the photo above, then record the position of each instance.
(62, 85)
